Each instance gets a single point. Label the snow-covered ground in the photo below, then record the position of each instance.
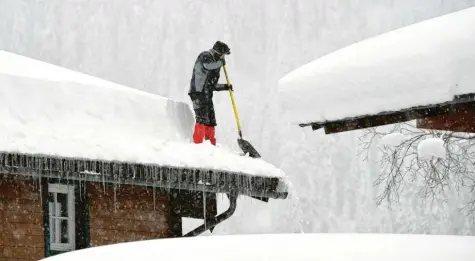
(422, 64)
(287, 247)
(50, 110)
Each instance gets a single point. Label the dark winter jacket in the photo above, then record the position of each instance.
(204, 82)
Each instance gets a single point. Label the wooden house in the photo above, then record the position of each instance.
(83, 163)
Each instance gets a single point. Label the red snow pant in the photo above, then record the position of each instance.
(203, 131)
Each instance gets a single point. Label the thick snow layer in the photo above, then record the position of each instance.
(73, 115)
(17, 65)
(276, 247)
(431, 147)
(425, 63)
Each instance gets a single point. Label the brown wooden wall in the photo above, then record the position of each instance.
(462, 121)
(131, 216)
(21, 220)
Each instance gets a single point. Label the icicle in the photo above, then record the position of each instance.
(193, 173)
(153, 191)
(119, 173)
(44, 164)
(249, 180)
(161, 177)
(85, 189)
(176, 177)
(179, 175)
(41, 190)
(80, 185)
(39, 179)
(103, 178)
(265, 191)
(84, 184)
(114, 172)
(169, 180)
(204, 207)
(115, 196)
(67, 177)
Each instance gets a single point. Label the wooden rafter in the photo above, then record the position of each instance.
(458, 104)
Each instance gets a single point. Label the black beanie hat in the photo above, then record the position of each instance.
(221, 48)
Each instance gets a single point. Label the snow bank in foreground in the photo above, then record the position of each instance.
(348, 247)
(74, 115)
(421, 64)
(431, 147)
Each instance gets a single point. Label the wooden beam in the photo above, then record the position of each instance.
(460, 120)
(460, 103)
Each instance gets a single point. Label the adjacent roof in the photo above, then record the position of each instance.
(65, 123)
(423, 65)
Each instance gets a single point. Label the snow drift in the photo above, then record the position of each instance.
(354, 247)
(422, 64)
(50, 110)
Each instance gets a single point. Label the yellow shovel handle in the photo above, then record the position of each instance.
(233, 102)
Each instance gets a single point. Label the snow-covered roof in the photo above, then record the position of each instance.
(286, 247)
(49, 110)
(422, 64)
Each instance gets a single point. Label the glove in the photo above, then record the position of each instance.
(223, 60)
(230, 87)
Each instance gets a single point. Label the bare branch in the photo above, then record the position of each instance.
(402, 168)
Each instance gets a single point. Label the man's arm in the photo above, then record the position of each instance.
(209, 64)
(223, 87)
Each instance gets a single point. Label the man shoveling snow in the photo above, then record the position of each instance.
(204, 82)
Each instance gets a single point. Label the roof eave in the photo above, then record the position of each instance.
(161, 177)
(460, 102)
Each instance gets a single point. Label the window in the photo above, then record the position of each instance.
(61, 212)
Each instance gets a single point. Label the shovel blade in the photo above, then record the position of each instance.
(247, 148)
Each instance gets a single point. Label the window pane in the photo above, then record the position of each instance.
(52, 230)
(52, 207)
(63, 202)
(64, 232)
(51, 197)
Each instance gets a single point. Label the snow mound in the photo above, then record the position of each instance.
(394, 139)
(422, 64)
(285, 247)
(17, 65)
(46, 109)
(431, 147)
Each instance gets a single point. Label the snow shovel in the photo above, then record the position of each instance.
(245, 146)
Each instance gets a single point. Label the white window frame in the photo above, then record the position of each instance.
(69, 191)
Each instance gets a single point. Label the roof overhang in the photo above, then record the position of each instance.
(160, 177)
(460, 103)
(417, 71)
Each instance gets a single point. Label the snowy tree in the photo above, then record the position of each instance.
(431, 162)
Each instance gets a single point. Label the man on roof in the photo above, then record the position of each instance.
(204, 82)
